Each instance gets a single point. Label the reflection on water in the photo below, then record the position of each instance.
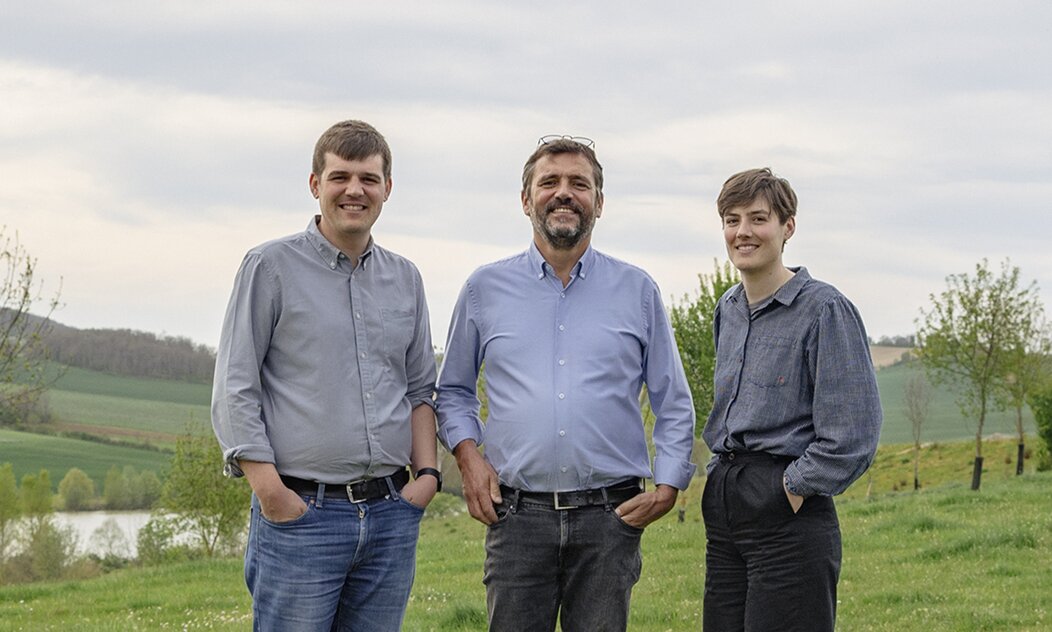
(105, 532)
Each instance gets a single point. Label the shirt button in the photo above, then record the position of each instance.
(563, 469)
(562, 396)
(562, 433)
(562, 362)
(562, 294)
(363, 354)
(358, 315)
(368, 396)
(562, 327)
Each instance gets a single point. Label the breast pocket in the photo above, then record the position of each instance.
(770, 362)
(398, 331)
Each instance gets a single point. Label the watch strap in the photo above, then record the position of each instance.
(432, 472)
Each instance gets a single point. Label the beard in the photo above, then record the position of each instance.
(561, 236)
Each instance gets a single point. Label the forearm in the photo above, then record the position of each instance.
(424, 450)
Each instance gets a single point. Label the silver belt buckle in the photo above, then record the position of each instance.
(558, 507)
(350, 493)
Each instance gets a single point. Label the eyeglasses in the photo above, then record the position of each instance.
(581, 140)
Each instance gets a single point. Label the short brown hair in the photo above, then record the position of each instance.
(562, 146)
(351, 140)
(743, 188)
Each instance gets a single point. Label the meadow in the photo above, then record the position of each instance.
(945, 559)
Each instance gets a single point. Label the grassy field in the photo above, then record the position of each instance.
(29, 453)
(941, 559)
(944, 422)
(97, 383)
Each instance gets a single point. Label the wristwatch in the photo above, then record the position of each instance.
(430, 471)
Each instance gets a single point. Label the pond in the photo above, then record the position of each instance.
(105, 532)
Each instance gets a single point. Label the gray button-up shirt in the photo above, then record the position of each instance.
(320, 365)
(794, 377)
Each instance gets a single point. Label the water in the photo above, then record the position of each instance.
(105, 532)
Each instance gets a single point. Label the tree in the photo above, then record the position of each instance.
(692, 320)
(10, 510)
(37, 502)
(76, 489)
(115, 490)
(1041, 403)
(918, 399)
(1027, 371)
(23, 355)
(211, 506)
(966, 337)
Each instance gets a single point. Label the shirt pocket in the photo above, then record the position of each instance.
(398, 325)
(771, 362)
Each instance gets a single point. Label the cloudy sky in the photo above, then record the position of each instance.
(144, 147)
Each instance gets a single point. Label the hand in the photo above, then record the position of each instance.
(794, 501)
(419, 492)
(480, 482)
(639, 511)
(282, 505)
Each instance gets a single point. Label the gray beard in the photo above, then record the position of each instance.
(562, 238)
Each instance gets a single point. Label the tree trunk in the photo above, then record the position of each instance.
(916, 467)
(977, 473)
(1022, 441)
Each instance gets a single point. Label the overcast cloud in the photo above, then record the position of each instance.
(144, 147)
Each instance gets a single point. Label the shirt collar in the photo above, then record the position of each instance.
(330, 253)
(784, 295)
(539, 267)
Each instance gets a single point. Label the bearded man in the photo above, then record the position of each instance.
(569, 336)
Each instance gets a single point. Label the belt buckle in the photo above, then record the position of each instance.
(350, 491)
(558, 507)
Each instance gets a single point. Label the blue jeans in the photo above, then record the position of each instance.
(339, 566)
(540, 560)
(766, 568)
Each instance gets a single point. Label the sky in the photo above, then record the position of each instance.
(145, 147)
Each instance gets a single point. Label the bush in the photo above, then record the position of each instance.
(76, 490)
(1041, 404)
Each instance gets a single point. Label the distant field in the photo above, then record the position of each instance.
(96, 383)
(29, 453)
(152, 416)
(944, 422)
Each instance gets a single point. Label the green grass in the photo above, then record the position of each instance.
(109, 411)
(28, 453)
(97, 383)
(945, 421)
(941, 559)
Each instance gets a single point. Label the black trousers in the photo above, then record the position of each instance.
(766, 568)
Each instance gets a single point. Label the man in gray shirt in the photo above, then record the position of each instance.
(323, 394)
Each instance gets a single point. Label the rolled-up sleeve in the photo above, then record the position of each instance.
(457, 396)
(670, 399)
(237, 405)
(846, 407)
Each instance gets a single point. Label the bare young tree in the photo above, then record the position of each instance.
(918, 400)
(23, 356)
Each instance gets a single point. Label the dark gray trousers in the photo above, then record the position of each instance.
(766, 568)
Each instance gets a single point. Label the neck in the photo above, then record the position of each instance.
(762, 284)
(561, 260)
(351, 245)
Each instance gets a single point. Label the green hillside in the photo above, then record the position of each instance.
(79, 380)
(945, 421)
(29, 453)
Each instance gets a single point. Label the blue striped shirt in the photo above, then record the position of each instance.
(794, 377)
(564, 369)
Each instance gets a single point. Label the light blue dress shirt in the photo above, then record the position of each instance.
(564, 370)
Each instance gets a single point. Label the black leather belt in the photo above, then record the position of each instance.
(613, 495)
(356, 492)
(752, 456)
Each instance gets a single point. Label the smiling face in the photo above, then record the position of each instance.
(755, 236)
(351, 194)
(562, 201)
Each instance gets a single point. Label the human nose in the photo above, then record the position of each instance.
(354, 187)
